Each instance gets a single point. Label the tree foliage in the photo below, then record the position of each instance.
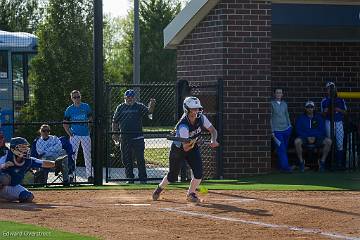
(118, 49)
(64, 60)
(20, 15)
(156, 63)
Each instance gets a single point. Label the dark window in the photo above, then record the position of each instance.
(3, 64)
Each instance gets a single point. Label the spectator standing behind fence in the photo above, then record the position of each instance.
(49, 147)
(128, 119)
(339, 113)
(281, 129)
(79, 132)
(310, 130)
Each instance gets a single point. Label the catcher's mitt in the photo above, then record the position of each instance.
(5, 179)
(59, 165)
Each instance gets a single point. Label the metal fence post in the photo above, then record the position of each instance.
(332, 130)
(182, 91)
(99, 93)
(219, 126)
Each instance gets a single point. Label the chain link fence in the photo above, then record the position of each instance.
(48, 141)
(123, 164)
(343, 129)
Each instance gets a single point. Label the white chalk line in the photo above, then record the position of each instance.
(132, 204)
(233, 199)
(269, 225)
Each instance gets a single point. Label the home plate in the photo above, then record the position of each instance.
(132, 204)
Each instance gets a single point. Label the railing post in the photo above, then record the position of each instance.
(219, 126)
(99, 93)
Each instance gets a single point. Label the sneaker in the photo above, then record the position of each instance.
(191, 197)
(156, 193)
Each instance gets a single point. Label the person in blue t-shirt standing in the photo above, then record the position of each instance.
(79, 132)
(128, 119)
(339, 113)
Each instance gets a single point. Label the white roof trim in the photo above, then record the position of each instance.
(196, 10)
(186, 21)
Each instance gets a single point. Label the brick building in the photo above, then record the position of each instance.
(257, 45)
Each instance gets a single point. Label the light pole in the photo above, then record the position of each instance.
(136, 60)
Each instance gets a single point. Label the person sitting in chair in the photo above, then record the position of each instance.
(310, 130)
(49, 147)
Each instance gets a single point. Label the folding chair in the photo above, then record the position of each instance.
(41, 175)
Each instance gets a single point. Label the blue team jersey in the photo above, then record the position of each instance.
(129, 117)
(81, 113)
(339, 103)
(17, 173)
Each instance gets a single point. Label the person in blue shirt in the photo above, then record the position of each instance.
(189, 126)
(128, 119)
(79, 132)
(14, 165)
(310, 129)
(340, 110)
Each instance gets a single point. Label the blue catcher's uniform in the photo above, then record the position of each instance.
(17, 173)
(15, 191)
(177, 155)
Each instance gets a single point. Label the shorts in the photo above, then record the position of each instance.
(319, 141)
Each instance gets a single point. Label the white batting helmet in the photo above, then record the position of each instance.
(191, 102)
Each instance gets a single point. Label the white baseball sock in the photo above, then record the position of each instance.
(194, 185)
(164, 182)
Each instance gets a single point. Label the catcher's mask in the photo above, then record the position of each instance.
(21, 148)
(191, 103)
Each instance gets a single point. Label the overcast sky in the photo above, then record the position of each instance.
(116, 7)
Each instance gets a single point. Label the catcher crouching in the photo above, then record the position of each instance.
(14, 165)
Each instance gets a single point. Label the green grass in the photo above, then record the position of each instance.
(14, 231)
(157, 156)
(308, 181)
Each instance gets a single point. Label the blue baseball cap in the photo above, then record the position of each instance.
(129, 93)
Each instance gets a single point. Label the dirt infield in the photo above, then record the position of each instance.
(121, 214)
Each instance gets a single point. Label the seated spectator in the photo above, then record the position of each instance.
(49, 147)
(310, 130)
